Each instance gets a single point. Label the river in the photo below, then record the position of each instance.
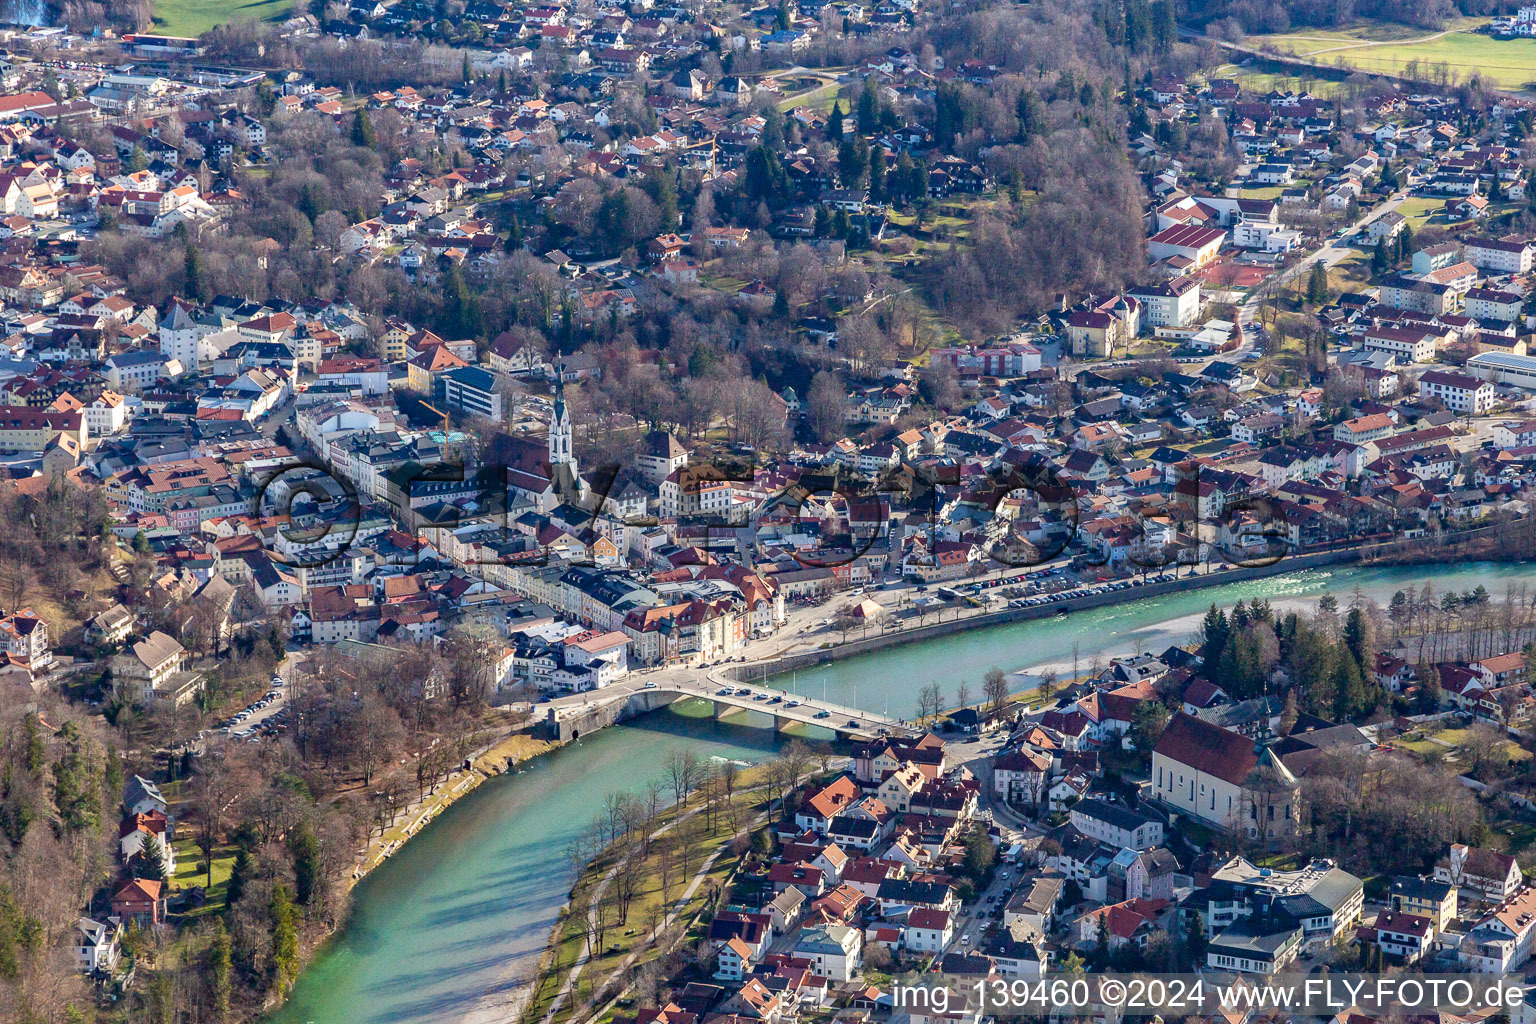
(454, 920)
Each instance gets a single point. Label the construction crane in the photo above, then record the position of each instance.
(710, 142)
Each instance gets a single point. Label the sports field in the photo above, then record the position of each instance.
(1375, 46)
(194, 17)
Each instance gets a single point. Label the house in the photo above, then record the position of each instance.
(140, 796)
(153, 669)
(928, 930)
(1458, 392)
(1406, 937)
(1130, 923)
(96, 944)
(1171, 303)
(139, 901)
(1118, 826)
(1426, 898)
(1501, 941)
(111, 626)
(821, 807)
(1020, 777)
(139, 832)
(734, 960)
(24, 636)
(1249, 947)
(1195, 246)
(1034, 902)
(835, 951)
(1494, 876)
(1364, 429)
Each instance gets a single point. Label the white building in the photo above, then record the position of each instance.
(1408, 345)
(1501, 941)
(1216, 775)
(835, 951)
(1118, 826)
(1498, 255)
(1459, 392)
(1504, 368)
(1171, 303)
(96, 944)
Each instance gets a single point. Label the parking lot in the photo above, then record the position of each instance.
(266, 716)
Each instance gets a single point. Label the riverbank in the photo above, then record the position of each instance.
(458, 918)
(496, 758)
(1220, 576)
(453, 923)
(491, 761)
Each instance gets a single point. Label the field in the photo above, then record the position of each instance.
(1372, 46)
(189, 871)
(1260, 82)
(194, 17)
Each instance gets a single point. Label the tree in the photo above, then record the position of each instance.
(218, 970)
(1214, 632)
(195, 280)
(362, 129)
(1381, 260)
(835, 122)
(869, 107)
(682, 770)
(1360, 638)
(1031, 115)
(1317, 284)
(285, 939)
(994, 689)
(827, 403)
(149, 863)
(1195, 941)
(308, 869)
(980, 856)
(239, 876)
(1148, 721)
(214, 790)
(930, 700)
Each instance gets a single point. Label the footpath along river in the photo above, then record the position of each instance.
(450, 927)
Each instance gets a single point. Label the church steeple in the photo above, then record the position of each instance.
(560, 450)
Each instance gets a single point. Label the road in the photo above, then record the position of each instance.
(716, 687)
(1330, 254)
(262, 716)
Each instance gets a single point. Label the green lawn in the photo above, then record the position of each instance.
(1350, 273)
(820, 98)
(1421, 212)
(194, 17)
(1315, 40)
(1260, 82)
(1506, 63)
(189, 872)
(1522, 839)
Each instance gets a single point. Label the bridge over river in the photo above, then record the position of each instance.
(581, 714)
